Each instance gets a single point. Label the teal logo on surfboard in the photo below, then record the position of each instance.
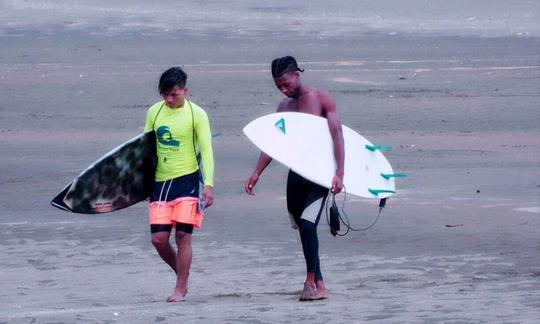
(280, 124)
(164, 136)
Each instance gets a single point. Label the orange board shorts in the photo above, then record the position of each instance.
(182, 210)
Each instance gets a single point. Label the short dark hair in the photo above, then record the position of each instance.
(283, 65)
(174, 76)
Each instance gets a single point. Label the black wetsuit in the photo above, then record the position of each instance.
(305, 202)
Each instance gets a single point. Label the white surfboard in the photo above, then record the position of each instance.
(303, 143)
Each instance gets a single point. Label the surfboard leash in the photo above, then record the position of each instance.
(334, 217)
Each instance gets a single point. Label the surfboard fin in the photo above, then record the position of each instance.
(376, 192)
(373, 148)
(387, 176)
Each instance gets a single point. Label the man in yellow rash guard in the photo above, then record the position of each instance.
(180, 126)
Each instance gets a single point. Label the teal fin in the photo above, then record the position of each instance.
(373, 148)
(387, 176)
(376, 192)
(280, 124)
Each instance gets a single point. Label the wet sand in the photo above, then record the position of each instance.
(458, 243)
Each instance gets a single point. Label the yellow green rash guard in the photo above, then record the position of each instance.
(174, 138)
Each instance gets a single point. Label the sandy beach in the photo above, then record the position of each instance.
(454, 89)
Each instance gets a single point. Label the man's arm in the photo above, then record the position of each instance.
(204, 139)
(262, 163)
(148, 124)
(334, 125)
(264, 160)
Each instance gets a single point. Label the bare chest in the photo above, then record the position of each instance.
(308, 105)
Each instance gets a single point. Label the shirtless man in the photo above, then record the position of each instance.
(305, 199)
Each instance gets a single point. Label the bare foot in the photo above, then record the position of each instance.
(320, 294)
(321, 290)
(314, 292)
(308, 292)
(177, 296)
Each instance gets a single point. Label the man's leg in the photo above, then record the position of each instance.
(160, 240)
(309, 283)
(319, 282)
(310, 247)
(314, 284)
(183, 241)
(306, 201)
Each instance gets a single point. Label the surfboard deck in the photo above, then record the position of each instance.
(120, 178)
(302, 142)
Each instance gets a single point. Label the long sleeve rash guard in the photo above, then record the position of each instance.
(178, 133)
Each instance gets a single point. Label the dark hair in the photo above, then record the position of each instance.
(283, 65)
(174, 76)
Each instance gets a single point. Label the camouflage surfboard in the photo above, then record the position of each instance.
(119, 179)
